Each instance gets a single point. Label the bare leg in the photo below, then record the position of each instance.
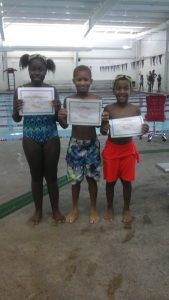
(92, 186)
(54, 200)
(37, 192)
(110, 196)
(33, 153)
(73, 215)
(51, 158)
(127, 215)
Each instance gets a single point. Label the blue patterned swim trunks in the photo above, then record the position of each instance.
(83, 159)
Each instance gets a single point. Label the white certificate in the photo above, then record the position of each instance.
(36, 101)
(84, 111)
(125, 127)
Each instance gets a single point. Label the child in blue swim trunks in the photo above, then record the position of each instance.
(83, 154)
(41, 142)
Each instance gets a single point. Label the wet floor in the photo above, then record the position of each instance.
(82, 261)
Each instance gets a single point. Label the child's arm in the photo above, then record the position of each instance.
(145, 128)
(105, 123)
(17, 106)
(62, 116)
(56, 103)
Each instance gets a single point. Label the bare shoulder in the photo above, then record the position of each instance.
(110, 107)
(89, 96)
(46, 85)
(94, 96)
(71, 96)
(134, 108)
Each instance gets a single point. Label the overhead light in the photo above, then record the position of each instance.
(70, 35)
(125, 47)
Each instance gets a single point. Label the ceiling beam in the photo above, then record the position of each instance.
(42, 48)
(57, 48)
(106, 5)
(161, 27)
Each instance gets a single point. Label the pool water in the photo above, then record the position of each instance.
(9, 130)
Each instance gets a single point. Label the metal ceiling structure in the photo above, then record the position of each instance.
(130, 17)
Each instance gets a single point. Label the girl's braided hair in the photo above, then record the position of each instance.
(122, 77)
(26, 59)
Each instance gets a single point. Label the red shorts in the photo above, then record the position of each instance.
(119, 161)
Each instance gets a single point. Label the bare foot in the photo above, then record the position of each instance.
(127, 217)
(36, 218)
(58, 217)
(94, 217)
(72, 217)
(109, 215)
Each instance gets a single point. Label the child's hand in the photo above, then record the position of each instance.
(62, 115)
(56, 105)
(145, 128)
(18, 105)
(105, 127)
(105, 116)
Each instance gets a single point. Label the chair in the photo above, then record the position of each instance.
(155, 113)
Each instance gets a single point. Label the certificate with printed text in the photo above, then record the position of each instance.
(36, 101)
(125, 127)
(84, 112)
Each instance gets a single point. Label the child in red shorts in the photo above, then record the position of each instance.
(120, 154)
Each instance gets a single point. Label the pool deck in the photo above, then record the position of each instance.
(81, 261)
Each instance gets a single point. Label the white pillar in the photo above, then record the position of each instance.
(75, 59)
(4, 75)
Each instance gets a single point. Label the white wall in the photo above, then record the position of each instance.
(102, 62)
(153, 45)
(64, 65)
(66, 61)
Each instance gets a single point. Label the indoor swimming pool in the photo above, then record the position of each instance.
(11, 131)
